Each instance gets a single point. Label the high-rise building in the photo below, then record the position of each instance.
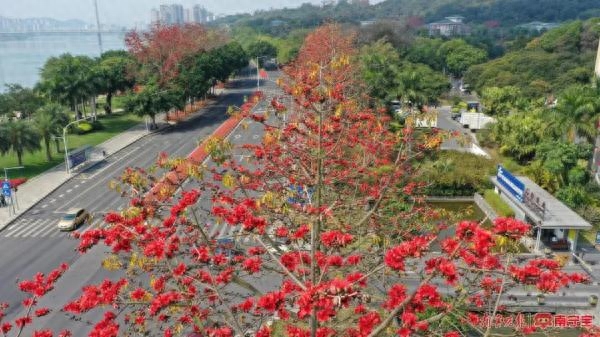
(171, 14)
(154, 16)
(188, 15)
(200, 14)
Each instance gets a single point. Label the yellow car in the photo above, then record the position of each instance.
(74, 218)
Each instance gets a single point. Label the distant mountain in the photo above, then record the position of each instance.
(505, 12)
(13, 25)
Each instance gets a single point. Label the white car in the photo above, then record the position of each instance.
(74, 218)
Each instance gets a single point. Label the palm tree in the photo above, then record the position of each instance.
(21, 136)
(49, 120)
(577, 113)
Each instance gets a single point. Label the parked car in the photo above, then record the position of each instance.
(74, 218)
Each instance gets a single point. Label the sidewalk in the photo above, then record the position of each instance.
(37, 188)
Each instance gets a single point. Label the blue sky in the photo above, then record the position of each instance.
(128, 12)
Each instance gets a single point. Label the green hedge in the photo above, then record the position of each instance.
(453, 173)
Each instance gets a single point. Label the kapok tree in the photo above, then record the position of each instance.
(163, 49)
(333, 238)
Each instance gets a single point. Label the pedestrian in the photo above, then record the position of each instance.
(103, 153)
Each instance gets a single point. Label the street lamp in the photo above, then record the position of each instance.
(6, 169)
(65, 141)
(258, 71)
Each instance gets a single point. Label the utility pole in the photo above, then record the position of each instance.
(98, 26)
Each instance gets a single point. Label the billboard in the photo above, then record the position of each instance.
(510, 183)
(77, 157)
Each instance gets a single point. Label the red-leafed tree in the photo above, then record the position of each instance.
(332, 237)
(162, 49)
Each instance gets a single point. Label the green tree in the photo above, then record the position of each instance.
(560, 158)
(420, 85)
(21, 137)
(262, 48)
(500, 101)
(68, 79)
(379, 69)
(19, 98)
(458, 56)
(518, 134)
(114, 73)
(153, 100)
(577, 111)
(425, 50)
(49, 121)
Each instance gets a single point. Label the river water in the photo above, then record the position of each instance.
(22, 55)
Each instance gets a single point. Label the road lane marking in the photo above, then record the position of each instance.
(65, 206)
(75, 186)
(52, 201)
(44, 206)
(62, 195)
(69, 190)
(35, 228)
(15, 226)
(53, 227)
(23, 228)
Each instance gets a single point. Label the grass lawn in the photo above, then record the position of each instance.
(35, 163)
(501, 208)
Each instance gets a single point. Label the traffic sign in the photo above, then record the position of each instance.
(6, 188)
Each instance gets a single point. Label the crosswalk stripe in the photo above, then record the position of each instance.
(33, 229)
(47, 230)
(24, 228)
(15, 226)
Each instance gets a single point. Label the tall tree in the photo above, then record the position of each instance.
(152, 100)
(49, 121)
(577, 113)
(115, 72)
(22, 137)
(262, 48)
(68, 79)
(459, 56)
(161, 50)
(21, 99)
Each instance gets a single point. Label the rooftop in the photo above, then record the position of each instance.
(557, 214)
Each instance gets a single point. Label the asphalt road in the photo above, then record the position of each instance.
(33, 244)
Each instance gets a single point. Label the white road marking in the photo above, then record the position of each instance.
(69, 190)
(38, 227)
(255, 136)
(44, 206)
(15, 226)
(46, 230)
(62, 195)
(238, 136)
(52, 201)
(26, 227)
(75, 186)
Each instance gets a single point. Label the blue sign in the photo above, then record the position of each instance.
(6, 188)
(76, 158)
(511, 183)
(300, 195)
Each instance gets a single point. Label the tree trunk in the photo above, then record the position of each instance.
(83, 108)
(154, 121)
(20, 157)
(93, 104)
(57, 145)
(109, 103)
(48, 154)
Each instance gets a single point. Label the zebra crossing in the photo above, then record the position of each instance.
(41, 228)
